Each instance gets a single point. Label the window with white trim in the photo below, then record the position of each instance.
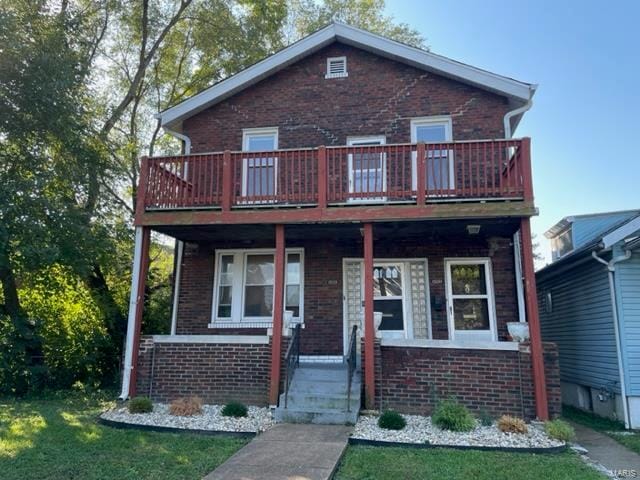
(244, 285)
(439, 165)
(470, 301)
(336, 67)
(259, 172)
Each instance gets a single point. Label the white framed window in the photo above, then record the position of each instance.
(244, 286)
(336, 67)
(439, 165)
(470, 299)
(367, 170)
(260, 172)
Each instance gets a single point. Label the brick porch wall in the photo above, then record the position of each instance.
(218, 373)
(412, 380)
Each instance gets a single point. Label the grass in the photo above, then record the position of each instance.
(58, 438)
(613, 428)
(364, 463)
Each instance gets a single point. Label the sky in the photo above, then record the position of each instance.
(585, 56)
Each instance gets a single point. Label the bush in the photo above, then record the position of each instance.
(486, 420)
(140, 405)
(509, 424)
(185, 407)
(392, 420)
(451, 415)
(559, 430)
(234, 409)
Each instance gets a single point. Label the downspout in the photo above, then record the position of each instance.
(611, 267)
(186, 150)
(517, 254)
(518, 111)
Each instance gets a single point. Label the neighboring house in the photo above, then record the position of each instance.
(589, 300)
(343, 175)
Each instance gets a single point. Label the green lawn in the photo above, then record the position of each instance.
(380, 463)
(613, 428)
(60, 439)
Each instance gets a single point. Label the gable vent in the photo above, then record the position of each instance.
(336, 67)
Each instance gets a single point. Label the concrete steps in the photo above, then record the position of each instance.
(318, 394)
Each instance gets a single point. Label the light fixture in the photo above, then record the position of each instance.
(473, 229)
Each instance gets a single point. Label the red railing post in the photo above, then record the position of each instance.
(421, 174)
(227, 181)
(527, 174)
(531, 304)
(322, 177)
(141, 190)
(369, 333)
(278, 308)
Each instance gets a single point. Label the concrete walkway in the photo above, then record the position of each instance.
(606, 451)
(287, 452)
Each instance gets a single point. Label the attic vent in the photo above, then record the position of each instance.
(336, 67)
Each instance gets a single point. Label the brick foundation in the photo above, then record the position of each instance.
(218, 373)
(412, 380)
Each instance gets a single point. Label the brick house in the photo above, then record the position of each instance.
(349, 204)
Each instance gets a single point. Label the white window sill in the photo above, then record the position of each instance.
(468, 345)
(240, 324)
(220, 339)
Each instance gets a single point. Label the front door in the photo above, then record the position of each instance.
(389, 298)
(367, 170)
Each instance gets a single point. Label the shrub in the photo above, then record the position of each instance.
(234, 409)
(559, 430)
(451, 415)
(509, 424)
(392, 420)
(486, 420)
(140, 405)
(185, 407)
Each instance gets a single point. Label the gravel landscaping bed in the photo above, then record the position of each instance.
(258, 419)
(420, 430)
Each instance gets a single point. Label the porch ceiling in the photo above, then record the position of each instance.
(432, 230)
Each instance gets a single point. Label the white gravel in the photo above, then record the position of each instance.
(420, 430)
(257, 420)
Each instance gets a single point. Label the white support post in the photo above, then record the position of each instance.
(176, 288)
(133, 302)
(517, 254)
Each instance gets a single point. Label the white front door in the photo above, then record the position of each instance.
(389, 285)
(367, 171)
(439, 164)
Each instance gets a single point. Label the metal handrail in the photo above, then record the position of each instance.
(351, 363)
(292, 360)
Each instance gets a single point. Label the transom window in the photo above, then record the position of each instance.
(439, 163)
(471, 309)
(244, 285)
(259, 172)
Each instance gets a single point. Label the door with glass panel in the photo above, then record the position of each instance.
(389, 298)
(470, 301)
(439, 161)
(260, 172)
(367, 171)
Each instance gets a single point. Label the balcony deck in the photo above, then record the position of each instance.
(469, 179)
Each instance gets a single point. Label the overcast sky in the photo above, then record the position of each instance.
(585, 56)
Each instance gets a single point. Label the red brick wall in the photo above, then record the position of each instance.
(377, 98)
(323, 284)
(218, 373)
(412, 380)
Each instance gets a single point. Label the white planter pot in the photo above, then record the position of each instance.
(519, 331)
(289, 324)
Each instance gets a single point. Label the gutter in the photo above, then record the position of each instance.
(611, 268)
(186, 141)
(518, 111)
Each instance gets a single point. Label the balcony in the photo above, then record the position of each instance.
(378, 177)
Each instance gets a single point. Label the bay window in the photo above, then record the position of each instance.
(244, 286)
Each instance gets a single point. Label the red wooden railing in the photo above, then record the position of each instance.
(400, 173)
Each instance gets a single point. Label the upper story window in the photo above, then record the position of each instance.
(259, 172)
(561, 244)
(440, 174)
(336, 67)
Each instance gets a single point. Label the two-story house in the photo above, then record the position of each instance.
(348, 204)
